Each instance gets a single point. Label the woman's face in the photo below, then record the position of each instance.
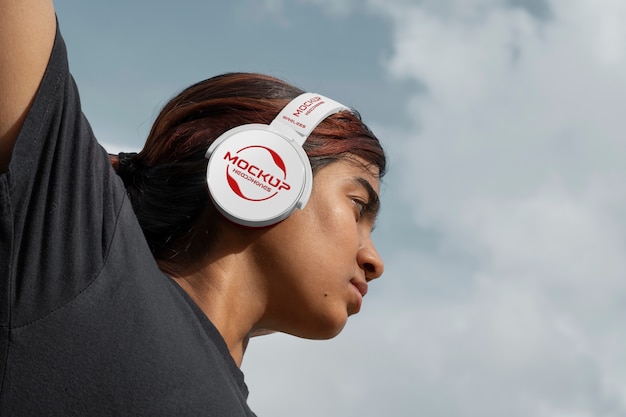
(318, 262)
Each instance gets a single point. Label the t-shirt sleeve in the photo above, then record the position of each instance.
(58, 203)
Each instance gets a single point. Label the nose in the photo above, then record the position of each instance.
(370, 261)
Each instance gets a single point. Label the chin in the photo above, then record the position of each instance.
(323, 329)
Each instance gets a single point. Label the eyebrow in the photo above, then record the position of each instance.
(373, 201)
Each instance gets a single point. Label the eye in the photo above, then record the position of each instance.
(361, 207)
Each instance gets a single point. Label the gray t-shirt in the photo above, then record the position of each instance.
(89, 326)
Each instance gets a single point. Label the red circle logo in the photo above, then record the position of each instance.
(256, 173)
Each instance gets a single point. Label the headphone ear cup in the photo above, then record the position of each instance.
(257, 176)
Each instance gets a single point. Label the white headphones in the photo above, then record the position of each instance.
(259, 174)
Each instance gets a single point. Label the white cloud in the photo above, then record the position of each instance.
(516, 161)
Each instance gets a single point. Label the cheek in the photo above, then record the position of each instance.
(339, 226)
(330, 215)
(330, 247)
(311, 283)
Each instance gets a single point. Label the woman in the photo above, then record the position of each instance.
(138, 297)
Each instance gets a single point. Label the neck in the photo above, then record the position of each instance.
(229, 296)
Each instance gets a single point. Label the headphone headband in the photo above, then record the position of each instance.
(303, 114)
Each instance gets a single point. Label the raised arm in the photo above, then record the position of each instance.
(27, 30)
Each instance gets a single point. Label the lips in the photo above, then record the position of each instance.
(360, 286)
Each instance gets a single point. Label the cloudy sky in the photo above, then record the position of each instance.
(504, 213)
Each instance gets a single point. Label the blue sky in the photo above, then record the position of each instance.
(148, 45)
(502, 226)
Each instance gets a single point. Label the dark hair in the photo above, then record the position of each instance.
(166, 181)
